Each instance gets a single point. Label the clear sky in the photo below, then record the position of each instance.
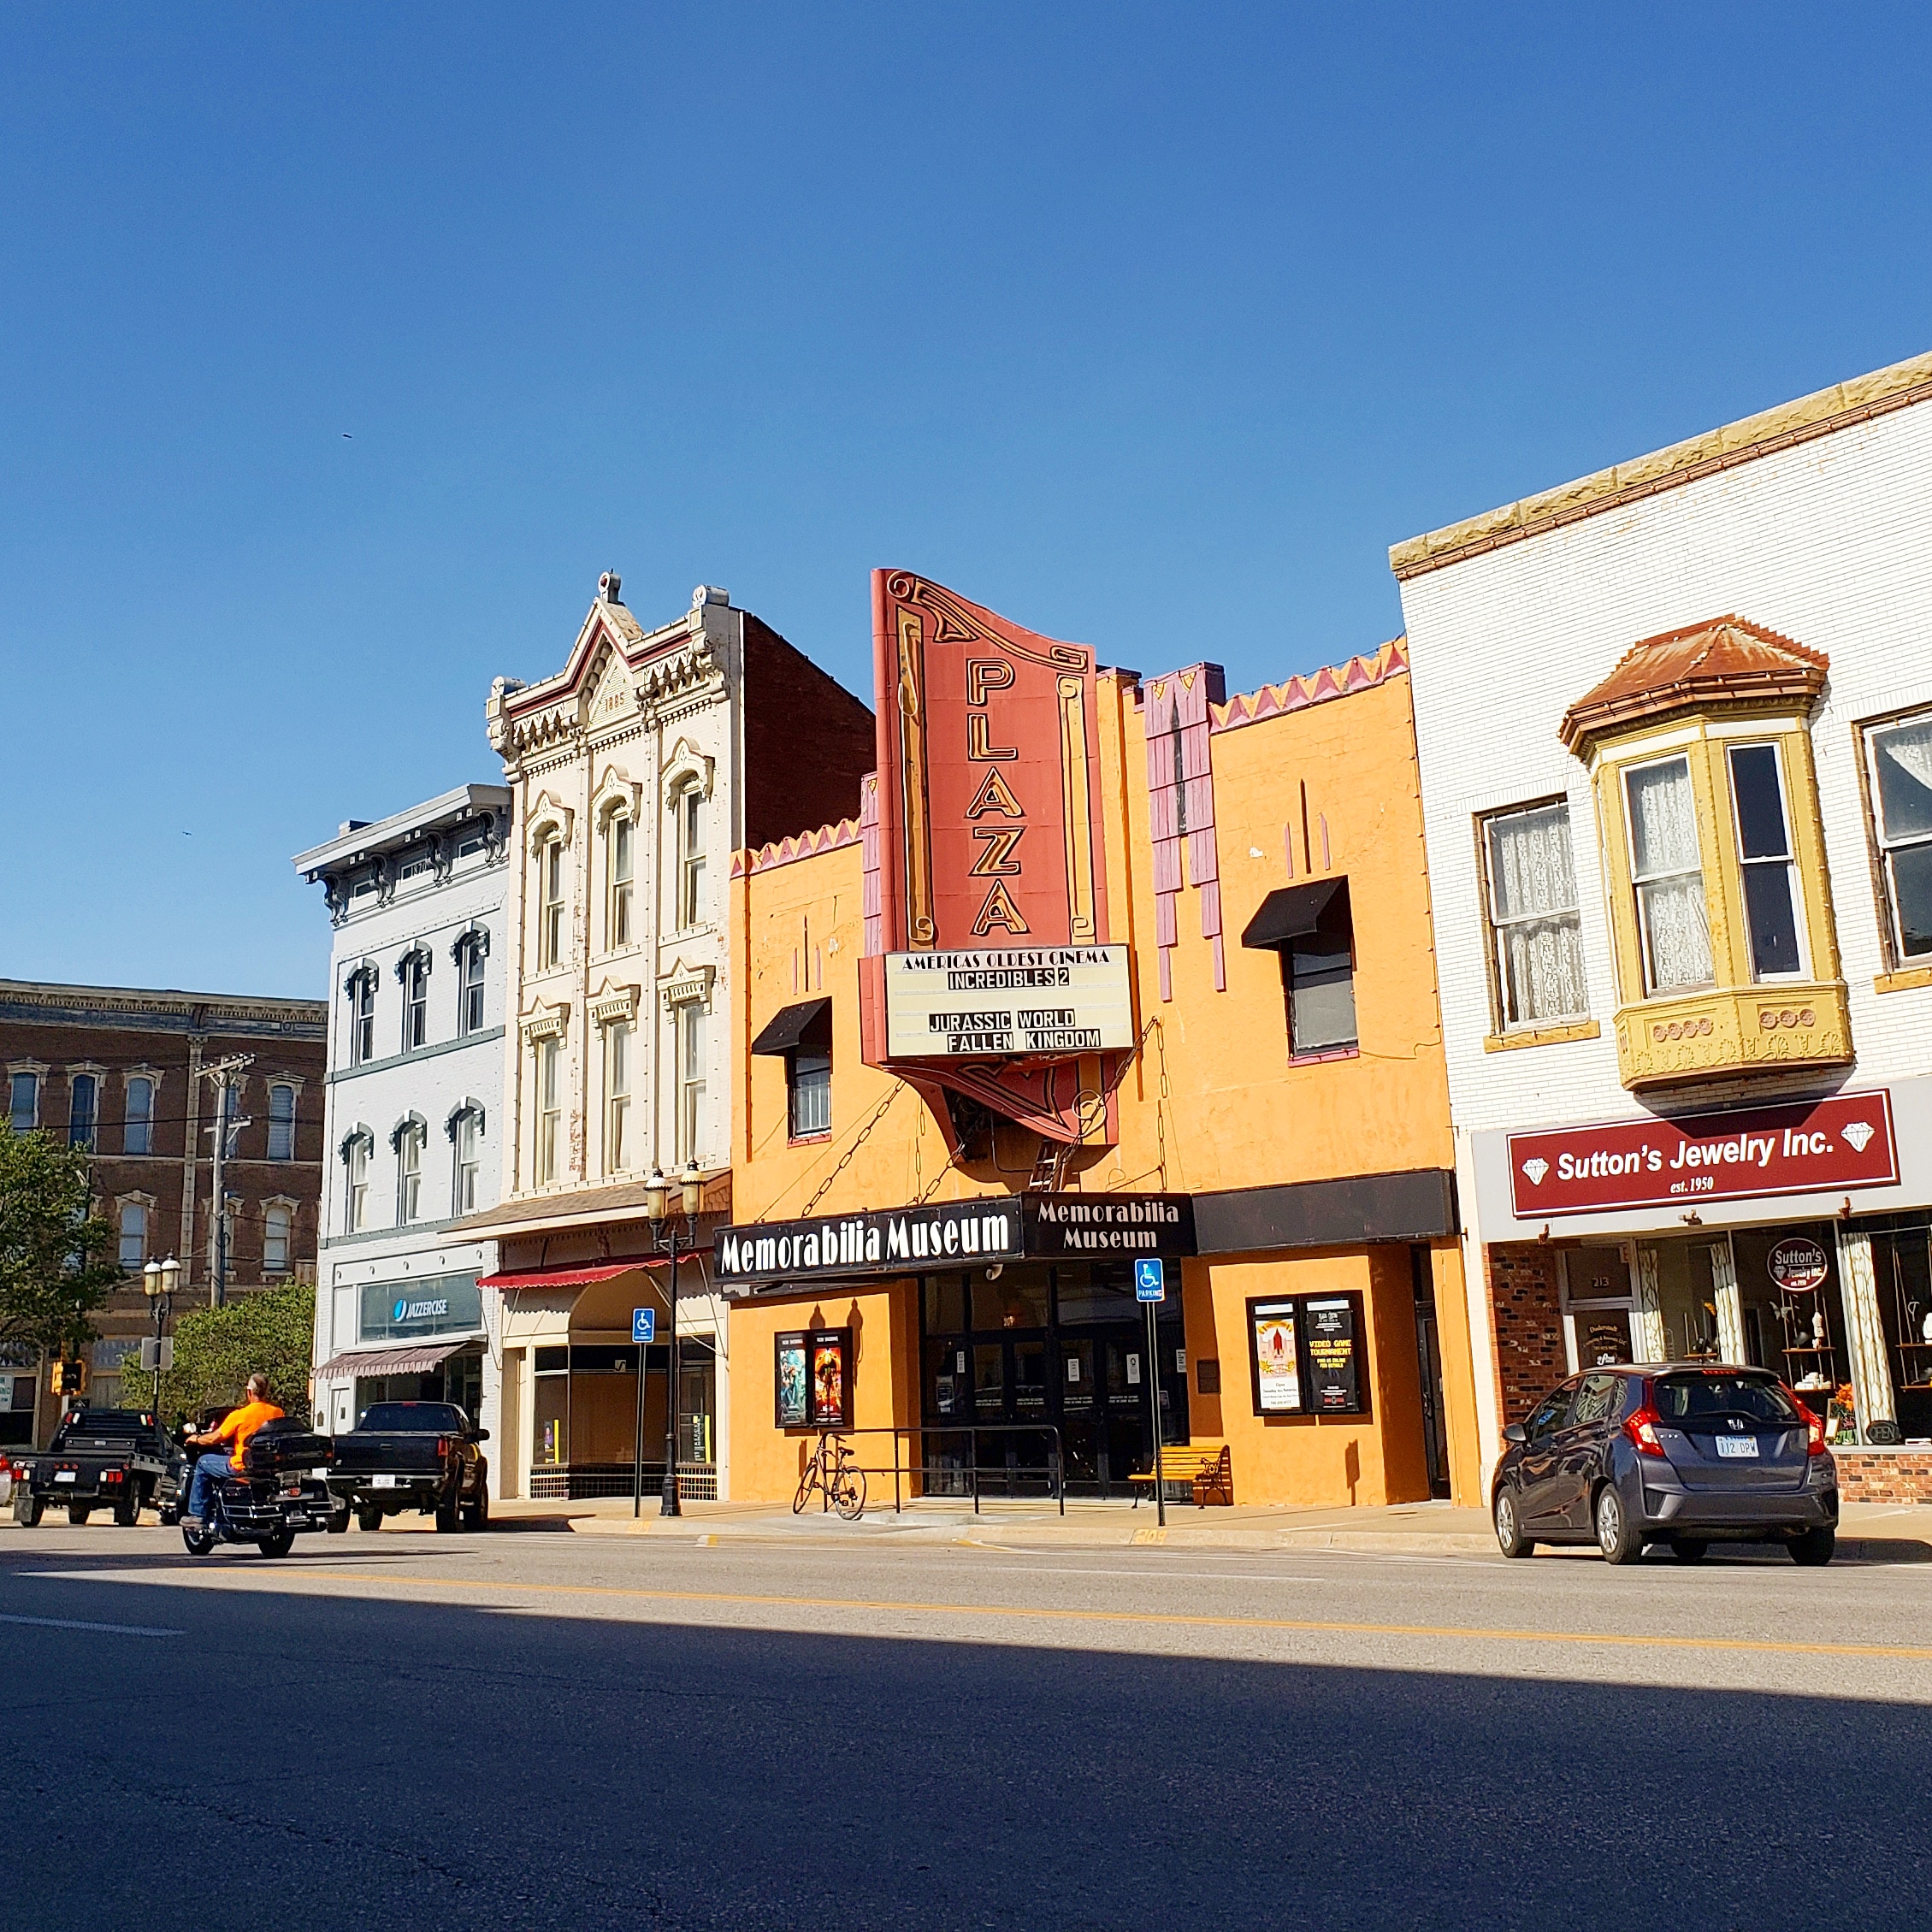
(341, 347)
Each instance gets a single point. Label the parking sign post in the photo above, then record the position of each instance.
(643, 1327)
(1150, 1286)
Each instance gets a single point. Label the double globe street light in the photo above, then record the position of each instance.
(668, 1237)
(159, 1280)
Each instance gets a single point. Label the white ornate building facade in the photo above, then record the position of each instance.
(634, 773)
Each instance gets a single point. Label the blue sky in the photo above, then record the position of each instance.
(340, 348)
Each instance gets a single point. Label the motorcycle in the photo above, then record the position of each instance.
(269, 1502)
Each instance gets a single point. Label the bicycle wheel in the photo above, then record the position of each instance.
(807, 1483)
(849, 1498)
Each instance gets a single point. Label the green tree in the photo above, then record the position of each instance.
(217, 1350)
(54, 1265)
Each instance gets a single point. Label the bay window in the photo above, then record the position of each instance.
(1770, 895)
(1667, 871)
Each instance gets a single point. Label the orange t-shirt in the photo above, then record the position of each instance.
(242, 1424)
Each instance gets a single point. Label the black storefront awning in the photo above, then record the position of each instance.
(1299, 912)
(809, 1024)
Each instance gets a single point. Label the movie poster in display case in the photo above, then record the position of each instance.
(793, 1382)
(813, 1379)
(1274, 1354)
(1305, 1355)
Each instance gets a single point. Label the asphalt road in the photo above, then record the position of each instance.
(546, 1730)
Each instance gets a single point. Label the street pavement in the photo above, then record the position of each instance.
(533, 1730)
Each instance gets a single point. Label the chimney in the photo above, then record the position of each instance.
(608, 585)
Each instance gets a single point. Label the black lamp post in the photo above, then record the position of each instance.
(669, 1238)
(158, 1280)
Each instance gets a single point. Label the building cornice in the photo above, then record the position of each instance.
(1839, 407)
(34, 1002)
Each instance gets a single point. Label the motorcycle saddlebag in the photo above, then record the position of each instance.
(278, 1447)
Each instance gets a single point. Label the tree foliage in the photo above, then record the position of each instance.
(54, 1269)
(217, 1350)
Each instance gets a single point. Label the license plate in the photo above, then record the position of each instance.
(65, 1475)
(381, 1482)
(1737, 1446)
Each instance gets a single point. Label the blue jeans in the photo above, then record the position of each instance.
(207, 1471)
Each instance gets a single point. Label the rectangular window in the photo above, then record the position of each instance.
(808, 1079)
(137, 1133)
(1320, 972)
(274, 1241)
(622, 841)
(470, 1005)
(1901, 760)
(83, 1107)
(550, 914)
(1537, 953)
(356, 1159)
(691, 1122)
(133, 1235)
(362, 1018)
(1667, 871)
(409, 1173)
(23, 1103)
(469, 1161)
(1770, 897)
(616, 1098)
(690, 858)
(550, 1107)
(415, 1002)
(281, 1123)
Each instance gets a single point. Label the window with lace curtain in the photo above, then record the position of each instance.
(1667, 873)
(1536, 960)
(1901, 781)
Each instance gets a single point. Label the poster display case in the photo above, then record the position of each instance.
(811, 1379)
(1306, 1355)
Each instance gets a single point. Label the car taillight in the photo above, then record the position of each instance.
(1641, 1428)
(110, 1475)
(1814, 1443)
(444, 1447)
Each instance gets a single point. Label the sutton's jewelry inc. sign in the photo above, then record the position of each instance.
(954, 1233)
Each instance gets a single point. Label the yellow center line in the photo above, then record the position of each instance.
(1042, 1613)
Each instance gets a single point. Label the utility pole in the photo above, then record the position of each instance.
(222, 1072)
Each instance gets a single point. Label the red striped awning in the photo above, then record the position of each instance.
(570, 1275)
(417, 1361)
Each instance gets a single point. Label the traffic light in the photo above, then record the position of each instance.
(70, 1379)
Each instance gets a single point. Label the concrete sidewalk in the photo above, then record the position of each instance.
(1869, 1532)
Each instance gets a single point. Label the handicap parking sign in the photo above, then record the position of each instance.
(1150, 1281)
(643, 1325)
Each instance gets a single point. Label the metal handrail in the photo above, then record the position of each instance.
(1056, 1470)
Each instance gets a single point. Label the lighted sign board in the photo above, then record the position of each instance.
(992, 1002)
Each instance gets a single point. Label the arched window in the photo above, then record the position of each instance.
(471, 950)
(357, 1151)
(550, 903)
(84, 1093)
(133, 1235)
(409, 1139)
(282, 1121)
(277, 1226)
(137, 1134)
(691, 810)
(413, 971)
(359, 989)
(466, 1135)
(620, 840)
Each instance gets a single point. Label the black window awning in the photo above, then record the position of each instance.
(1300, 912)
(809, 1024)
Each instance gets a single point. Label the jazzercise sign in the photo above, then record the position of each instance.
(1799, 1148)
(1008, 999)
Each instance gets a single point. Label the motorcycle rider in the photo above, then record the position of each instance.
(237, 1426)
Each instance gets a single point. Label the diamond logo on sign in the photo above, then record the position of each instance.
(1151, 1280)
(1536, 1170)
(1858, 1132)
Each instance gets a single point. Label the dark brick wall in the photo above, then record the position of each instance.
(808, 741)
(1528, 1325)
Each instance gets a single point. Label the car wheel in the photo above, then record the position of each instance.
(1690, 1549)
(338, 1523)
(476, 1514)
(27, 1508)
(78, 1514)
(127, 1510)
(280, 1544)
(1814, 1548)
(1510, 1538)
(368, 1516)
(448, 1519)
(1617, 1535)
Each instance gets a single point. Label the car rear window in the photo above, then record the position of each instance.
(413, 1418)
(1691, 1398)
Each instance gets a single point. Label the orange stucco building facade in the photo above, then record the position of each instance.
(1278, 1110)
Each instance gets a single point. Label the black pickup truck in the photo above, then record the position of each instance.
(413, 1453)
(100, 1459)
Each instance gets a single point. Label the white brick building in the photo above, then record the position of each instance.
(415, 1115)
(1744, 917)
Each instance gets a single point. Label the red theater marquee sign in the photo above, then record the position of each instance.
(995, 975)
(1802, 1148)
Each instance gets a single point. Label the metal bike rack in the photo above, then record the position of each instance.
(1056, 1467)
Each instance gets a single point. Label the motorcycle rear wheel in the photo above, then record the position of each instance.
(198, 1545)
(280, 1544)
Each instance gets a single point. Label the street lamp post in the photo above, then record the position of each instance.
(665, 1237)
(158, 1280)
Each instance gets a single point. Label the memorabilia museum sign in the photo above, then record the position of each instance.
(953, 1233)
(1804, 1147)
(994, 1001)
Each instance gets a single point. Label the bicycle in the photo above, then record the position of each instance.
(832, 1471)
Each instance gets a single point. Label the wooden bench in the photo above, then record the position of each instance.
(1206, 1465)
